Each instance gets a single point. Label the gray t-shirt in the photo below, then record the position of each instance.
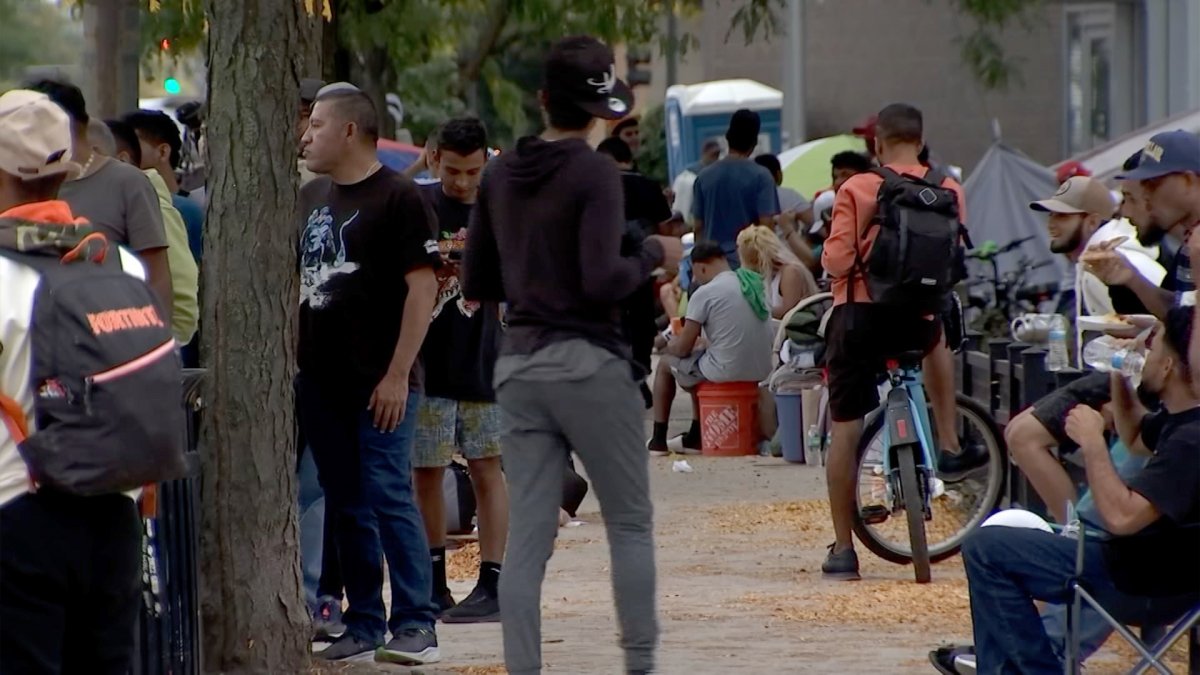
(739, 343)
(120, 203)
(730, 196)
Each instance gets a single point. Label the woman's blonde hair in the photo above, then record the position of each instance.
(761, 250)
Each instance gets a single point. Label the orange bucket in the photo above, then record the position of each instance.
(728, 418)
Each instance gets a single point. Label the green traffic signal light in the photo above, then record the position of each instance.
(172, 86)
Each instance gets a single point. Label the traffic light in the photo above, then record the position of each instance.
(172, 86)
(637, 61)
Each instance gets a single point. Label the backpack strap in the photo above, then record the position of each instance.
(14, 419)
(891, 180)
(935, 177)
(18, 429)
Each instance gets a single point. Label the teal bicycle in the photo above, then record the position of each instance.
(898, 472)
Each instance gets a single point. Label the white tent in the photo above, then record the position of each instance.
(725, 96)
(999, 191)
(1105, 161)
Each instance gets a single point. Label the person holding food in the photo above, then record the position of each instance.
(1076, 222)
(1166, 179)
(1080, 217)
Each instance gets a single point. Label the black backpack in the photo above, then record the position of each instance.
(106, 379)
(460, 499)
(918, 255)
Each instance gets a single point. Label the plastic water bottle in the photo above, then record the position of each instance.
(1105, 356)
(1056, 356)
(812, 441)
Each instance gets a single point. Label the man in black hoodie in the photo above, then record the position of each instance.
(545, 237)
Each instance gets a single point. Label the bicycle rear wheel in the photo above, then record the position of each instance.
(955, 513)
(914, 509)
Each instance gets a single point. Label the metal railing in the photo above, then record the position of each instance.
(167, 637)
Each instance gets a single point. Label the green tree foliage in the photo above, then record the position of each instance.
(35, 34)
(445, 57)
(652, 156)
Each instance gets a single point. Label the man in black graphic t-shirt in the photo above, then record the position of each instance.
(367, 290)
(459, 412)
(1155, 548)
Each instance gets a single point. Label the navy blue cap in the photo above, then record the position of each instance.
(1167, 153)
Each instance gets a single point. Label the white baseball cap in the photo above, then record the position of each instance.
(821, 204)
(35, 137)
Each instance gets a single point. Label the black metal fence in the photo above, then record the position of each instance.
(1006, 377)
(168, 633)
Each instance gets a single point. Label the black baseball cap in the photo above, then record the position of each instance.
(582, 70)
(309, 87)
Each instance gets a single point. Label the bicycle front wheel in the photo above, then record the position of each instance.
(914, 510)
(964, 504)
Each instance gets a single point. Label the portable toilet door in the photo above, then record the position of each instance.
(699, 112)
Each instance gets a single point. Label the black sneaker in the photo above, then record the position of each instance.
(841, 566)
(327, 620)
(478, 607)
(347, 647)
(444, 601)
(412, 647)
(954, 466)
(657, 449)
(685, 444)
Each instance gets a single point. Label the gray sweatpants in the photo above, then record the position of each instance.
(600, 418)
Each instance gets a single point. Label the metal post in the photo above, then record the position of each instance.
(672, 45)
(793, 79)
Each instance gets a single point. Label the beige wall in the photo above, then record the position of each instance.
(863, 54)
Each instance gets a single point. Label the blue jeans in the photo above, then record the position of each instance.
(312, 526)
(1007, 569)
(367, 478)
(319, 564)
(1093, 630)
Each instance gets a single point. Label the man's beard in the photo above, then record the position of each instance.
(1150, 236)
(1070, 245)
(1150, 399)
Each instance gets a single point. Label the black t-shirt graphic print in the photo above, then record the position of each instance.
(357, 242)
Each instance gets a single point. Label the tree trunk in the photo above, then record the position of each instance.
(112, 39)
(255, 620)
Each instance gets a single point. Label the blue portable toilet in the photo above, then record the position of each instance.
(699, 112)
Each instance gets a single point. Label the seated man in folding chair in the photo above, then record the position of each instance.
(1009, 568)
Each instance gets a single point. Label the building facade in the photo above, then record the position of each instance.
(1087, 72)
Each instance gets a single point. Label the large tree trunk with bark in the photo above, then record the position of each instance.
(255, 620)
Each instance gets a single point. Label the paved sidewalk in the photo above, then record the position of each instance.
(740, 542)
